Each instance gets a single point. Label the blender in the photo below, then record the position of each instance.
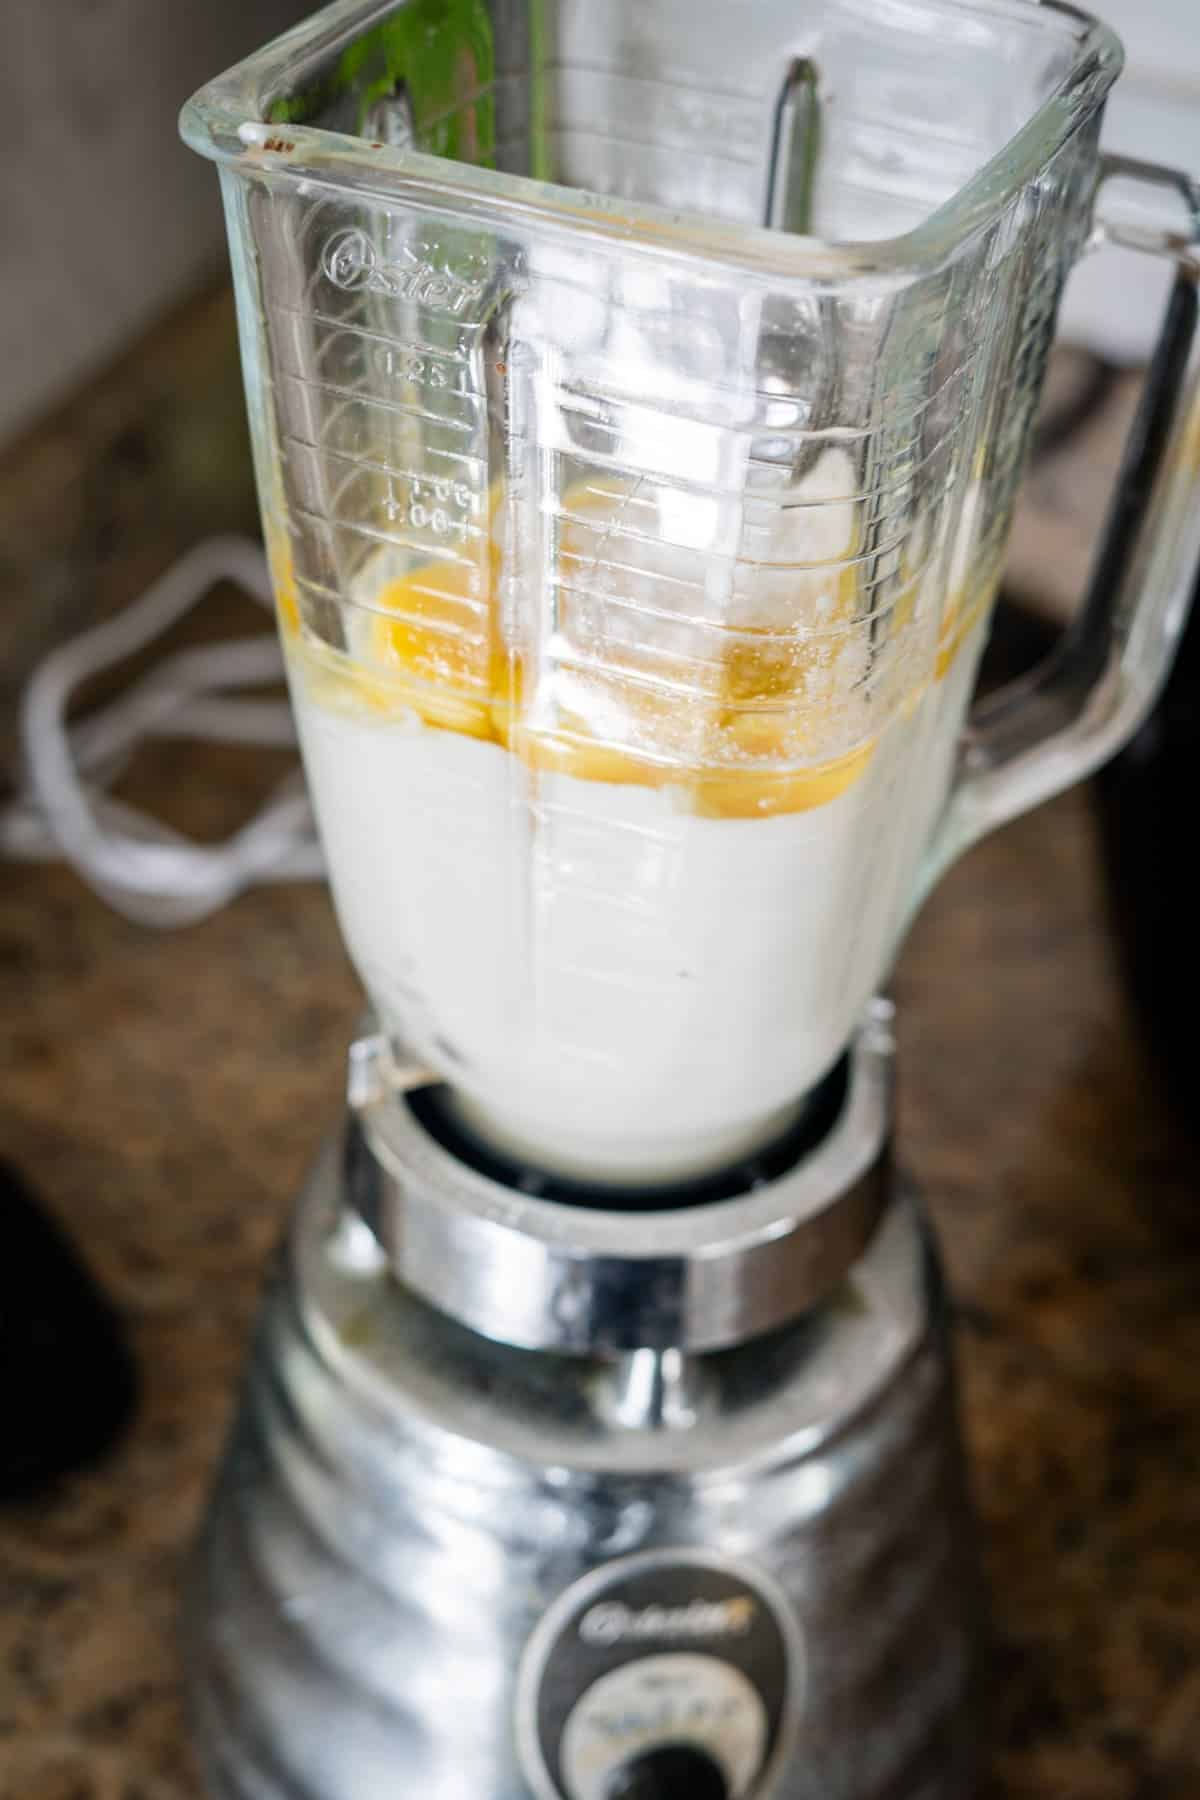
(639, 396)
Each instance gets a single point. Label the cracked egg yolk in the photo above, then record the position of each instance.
(732, 736)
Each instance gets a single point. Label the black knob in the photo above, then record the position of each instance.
(672, 1772)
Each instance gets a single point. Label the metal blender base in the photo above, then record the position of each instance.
(444, 1567)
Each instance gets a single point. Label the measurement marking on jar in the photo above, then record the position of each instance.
(452, 418)
(399, 539)
(451, 398)
(445, 487)
(466, 337)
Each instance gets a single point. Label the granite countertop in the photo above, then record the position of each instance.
(165, 1093)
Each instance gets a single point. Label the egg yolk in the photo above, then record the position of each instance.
(740, 738)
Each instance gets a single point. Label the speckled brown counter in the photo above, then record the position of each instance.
(166, 1093)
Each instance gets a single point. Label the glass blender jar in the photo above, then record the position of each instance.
(634, 558)
(639, 397)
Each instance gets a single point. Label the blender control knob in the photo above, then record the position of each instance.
(672, 1772)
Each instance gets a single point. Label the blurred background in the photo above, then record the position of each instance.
(107, 218)
(160, 1089)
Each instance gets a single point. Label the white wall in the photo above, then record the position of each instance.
(1116, 298)
(104, 216)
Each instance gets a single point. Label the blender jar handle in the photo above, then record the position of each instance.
(1051, 728)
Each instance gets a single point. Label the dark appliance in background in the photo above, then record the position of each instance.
(1146, 799)
(1148, 808)
(68, 1384)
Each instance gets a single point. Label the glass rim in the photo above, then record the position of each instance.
(224, 122)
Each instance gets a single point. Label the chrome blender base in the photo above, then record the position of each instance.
(444, 1566)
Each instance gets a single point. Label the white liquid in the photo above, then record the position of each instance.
(616, 986)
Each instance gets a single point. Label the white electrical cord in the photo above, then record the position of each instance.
(142, 868)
